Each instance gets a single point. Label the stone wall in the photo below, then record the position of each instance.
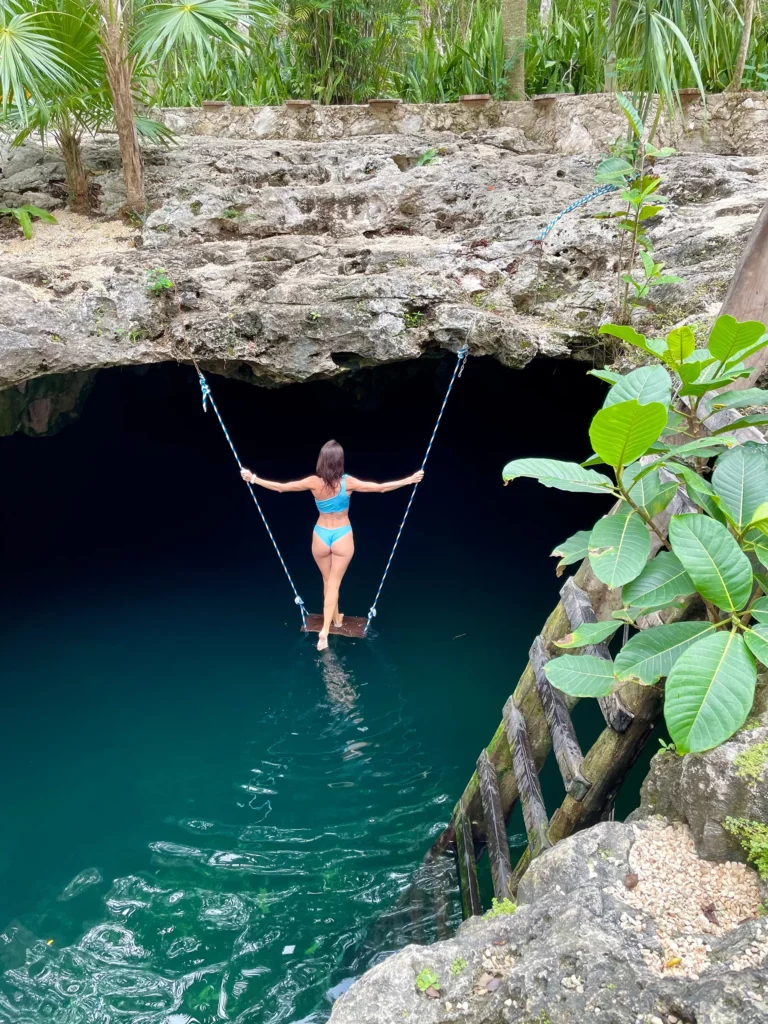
(564, 124)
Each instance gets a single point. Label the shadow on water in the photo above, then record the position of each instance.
(206, 819)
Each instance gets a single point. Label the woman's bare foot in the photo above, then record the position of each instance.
(322, 641)
(338, 620)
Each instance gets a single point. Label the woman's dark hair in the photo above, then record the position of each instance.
(330, 464)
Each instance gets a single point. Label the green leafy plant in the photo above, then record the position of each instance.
(754, 838)
(500, 907)
(413, 319)
(657, 427)
(23, 216)
(426, 978)
(631, 171)
(158, 281)
(457, 966)
(427, 157)
(667, 748)
(751, 763)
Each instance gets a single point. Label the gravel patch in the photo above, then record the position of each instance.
(692, 900)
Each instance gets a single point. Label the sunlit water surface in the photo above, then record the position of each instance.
(204, 819)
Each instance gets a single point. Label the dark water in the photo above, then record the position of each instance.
(201, 816)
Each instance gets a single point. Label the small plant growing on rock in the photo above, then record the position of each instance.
(413, 319)
(457, 966)
(23, 216)
(230, 213)
(427, 157)
(667, 748)
(750, 764)
(632, 172)
(426, 979)
(158, 281)
(500, 907)
(754, 838)
(313, 316)
(654, 433)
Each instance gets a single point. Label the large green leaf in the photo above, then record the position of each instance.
(581, 675)
(707, 383)
(588, 633)
(680, 344)
(609, 376)
(709, 692)
(575, 549)
(717, 566)
(566, 476)
(729, 337)
(619, 546)
(743, 399)
(650, 654)
(699, 491)
(755, 419)
(646, 384)
(662, 581)
(756, 640)
(622, 433)
(740, 480)
(649, 493)
(654, 347)
(760, 610)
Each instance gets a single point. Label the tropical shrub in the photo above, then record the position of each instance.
(655, 431)
(23, 216)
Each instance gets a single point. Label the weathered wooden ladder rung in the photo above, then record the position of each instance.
(579, 610)
(527, 779)
(495, 827)
(564, 742)
(468, 883)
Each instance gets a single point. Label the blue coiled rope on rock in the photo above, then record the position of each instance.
(208, 397)
(601, 190)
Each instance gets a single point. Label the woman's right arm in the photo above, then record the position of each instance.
(367, 487)
(306, 484)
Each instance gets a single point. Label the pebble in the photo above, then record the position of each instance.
(675, 887)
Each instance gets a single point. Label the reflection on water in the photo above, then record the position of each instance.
(264, 913)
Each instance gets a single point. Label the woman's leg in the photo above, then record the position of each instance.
(341, 555)
(322, 556)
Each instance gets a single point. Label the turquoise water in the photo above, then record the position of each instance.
(204, 819)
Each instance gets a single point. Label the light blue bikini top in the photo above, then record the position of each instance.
(338, 503)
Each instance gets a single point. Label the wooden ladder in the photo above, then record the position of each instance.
(535, 720)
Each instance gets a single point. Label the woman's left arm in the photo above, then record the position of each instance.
(367, 487)
(272, 485)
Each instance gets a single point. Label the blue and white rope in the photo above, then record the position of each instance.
(458, 369)
(601, 190)
(208, 397)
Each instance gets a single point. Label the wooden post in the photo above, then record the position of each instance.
(579, 609)
(468, 884)
(495, 827)
(527, 776)
(564, 741)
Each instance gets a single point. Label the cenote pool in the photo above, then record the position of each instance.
(202, 817)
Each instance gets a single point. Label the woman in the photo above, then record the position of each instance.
(332, 541)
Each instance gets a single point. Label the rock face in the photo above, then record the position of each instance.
(302, 246)
(702, 790)
(570, 953)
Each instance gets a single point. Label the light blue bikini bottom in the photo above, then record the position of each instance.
(329, 537)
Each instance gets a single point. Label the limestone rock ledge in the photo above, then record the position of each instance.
(571, 953)
(295, 259)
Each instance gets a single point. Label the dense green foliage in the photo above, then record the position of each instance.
(754, 839)
(710, 569)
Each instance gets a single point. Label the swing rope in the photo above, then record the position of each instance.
(458, 369)
(208, 397)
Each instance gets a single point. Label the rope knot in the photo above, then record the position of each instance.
(371, 614)
(297, 600)
(205, 388)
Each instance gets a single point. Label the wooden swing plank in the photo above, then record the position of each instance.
(351, 626)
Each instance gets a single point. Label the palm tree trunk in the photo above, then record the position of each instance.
(119, 68)
(741, 59)
(513, 21)
(610, 63)
(77, 176)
